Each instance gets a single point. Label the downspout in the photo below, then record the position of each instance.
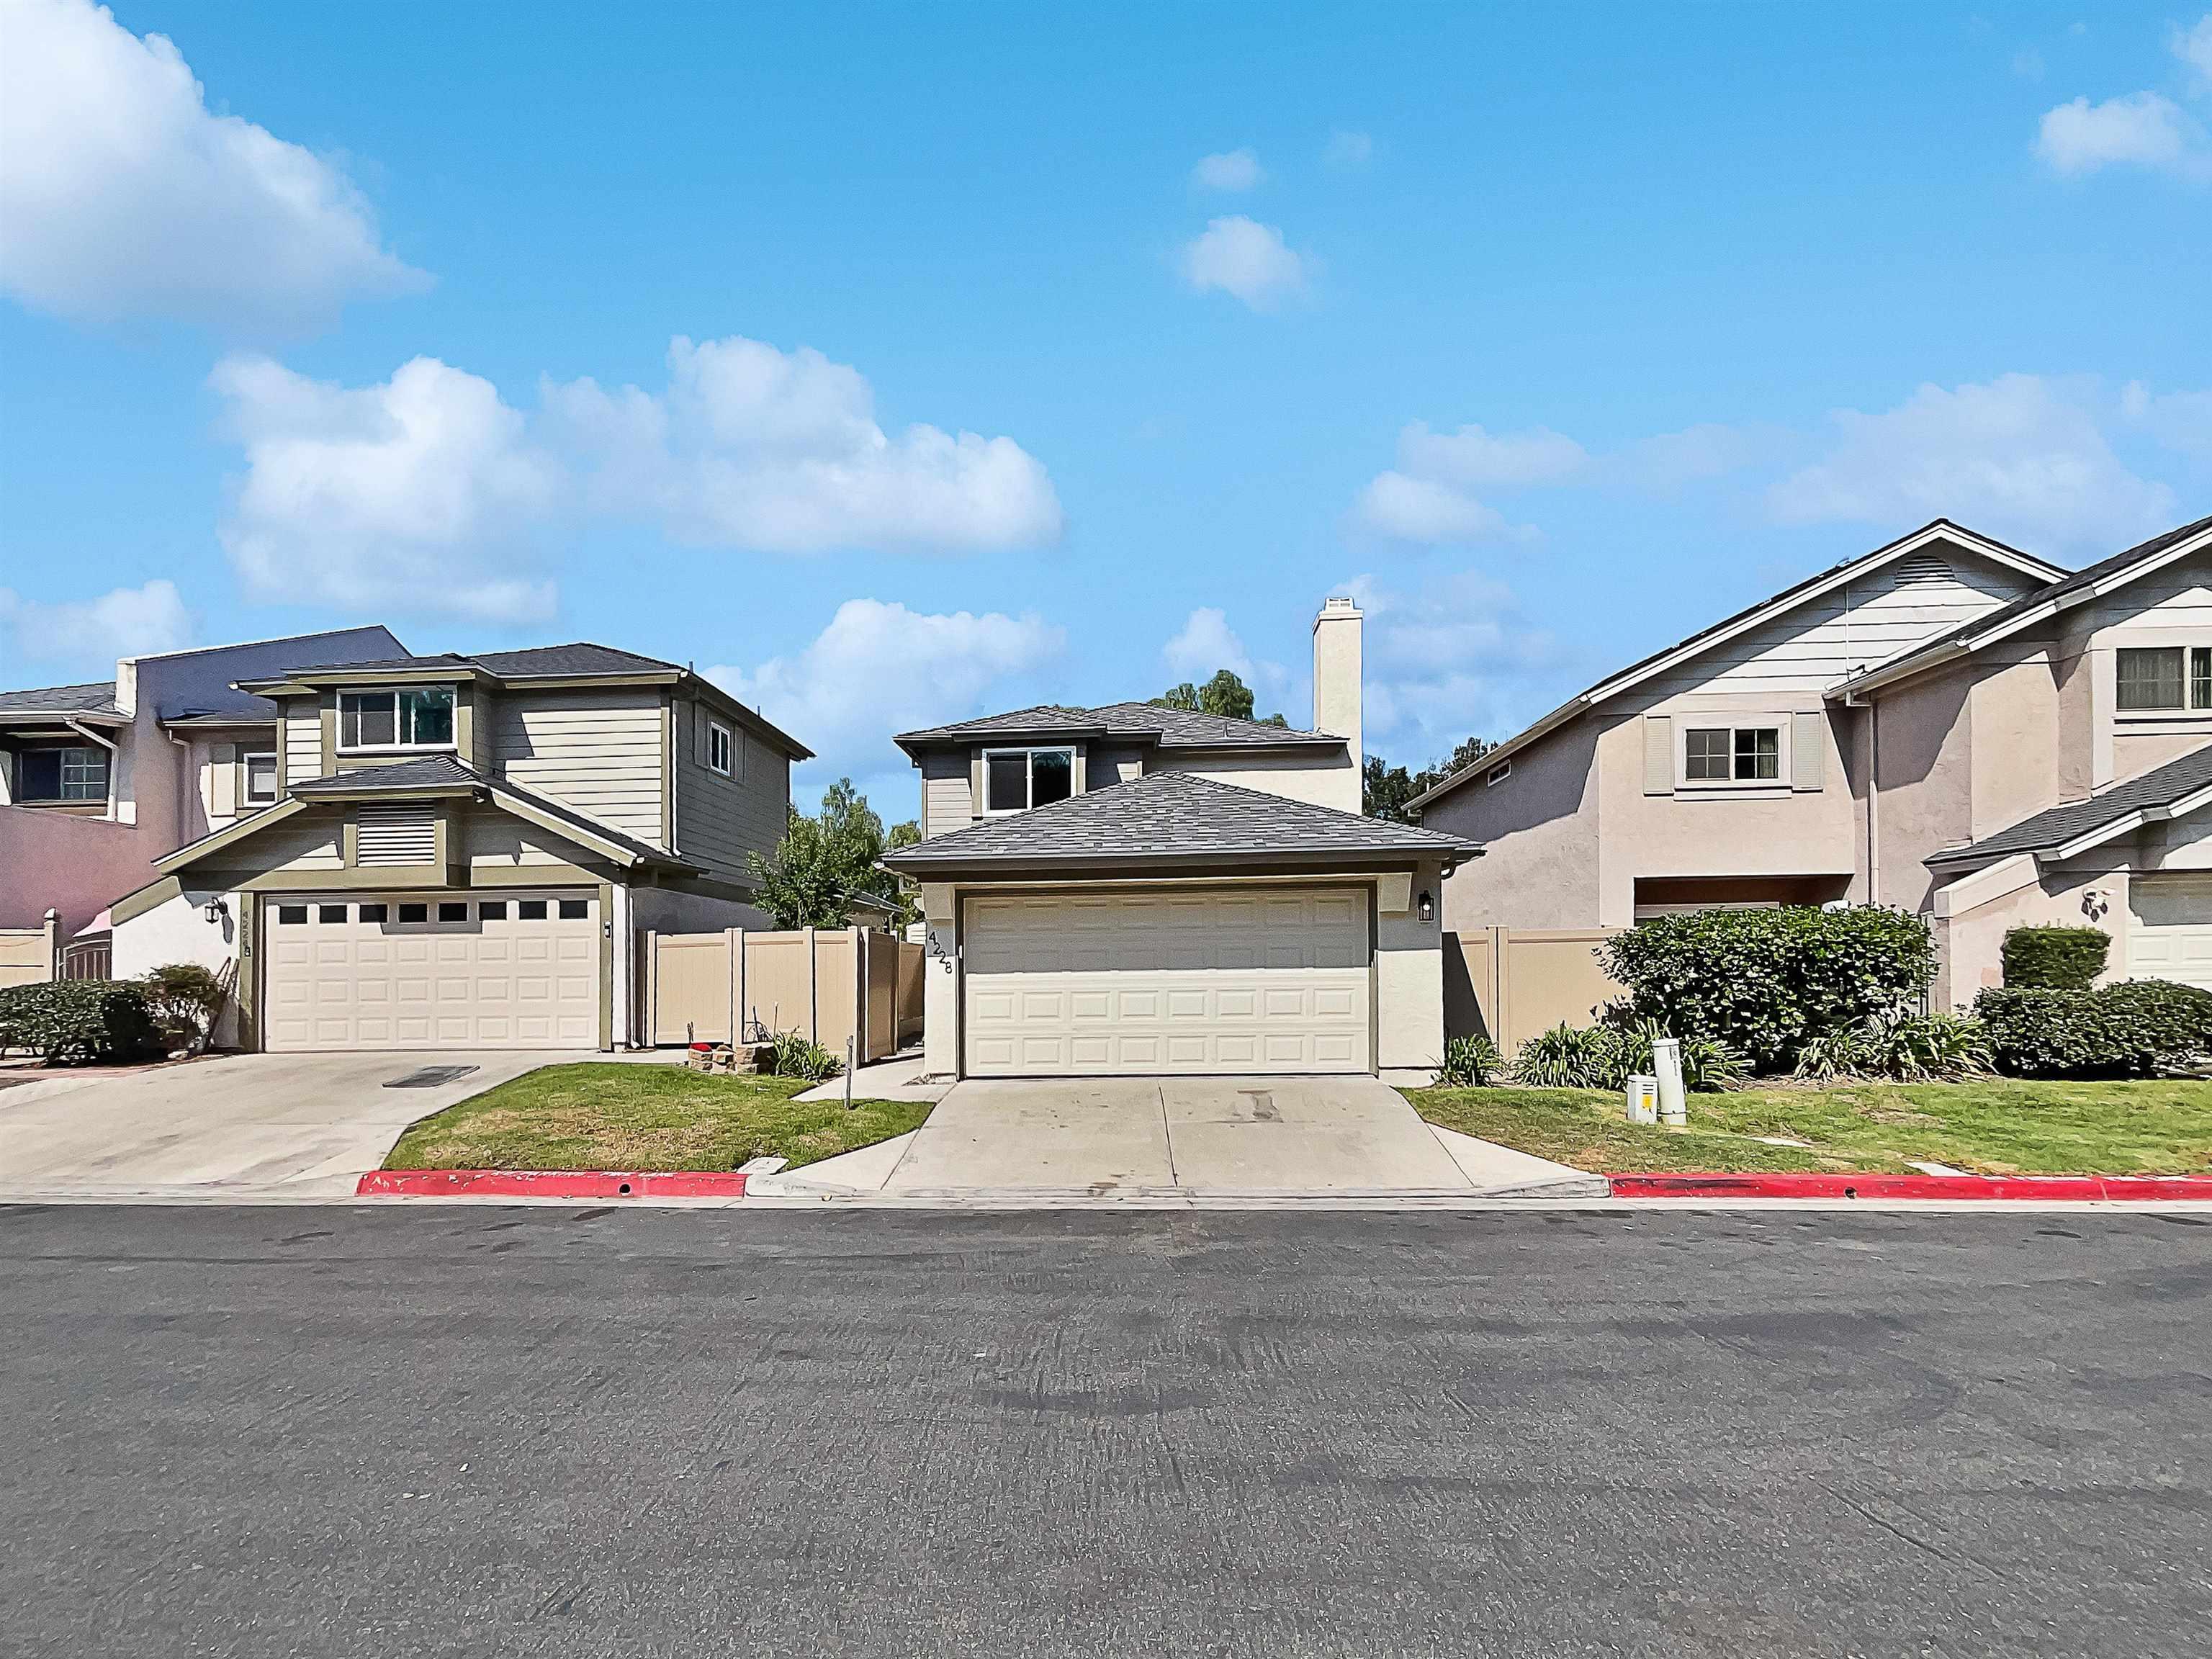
(114, 754)
(1874, 800)
(184, 782)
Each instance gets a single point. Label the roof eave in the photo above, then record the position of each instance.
(1493, 756)
(953, 866)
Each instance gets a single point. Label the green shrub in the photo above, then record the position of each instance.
(1470, 1062)
(2055, 958)
(1900, 1047)
(797, 1055)
(79, 1019)
(184, 999)
(1766, 982)
(1707, 1065)
(2138, 1027)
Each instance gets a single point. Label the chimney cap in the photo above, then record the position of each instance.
(1339, 605)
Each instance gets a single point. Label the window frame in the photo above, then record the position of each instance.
(245, 794)
(19, 795)
(724, 735)
(1498, 774)
(2191, 682)
(1029, 752)
(1733, 730)
(400, 745)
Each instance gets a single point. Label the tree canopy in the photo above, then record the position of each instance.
(822, 862)
(1225, 694)
(1386, 791)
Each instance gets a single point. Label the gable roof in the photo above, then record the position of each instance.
(1137, 722)
(2080, 587)
(1742, 622)
(1176, 817)
(2061, 832)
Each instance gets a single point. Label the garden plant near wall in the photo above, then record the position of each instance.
(2138, 1027)
(79, 1019)
(2055, 958)
(1766, 982)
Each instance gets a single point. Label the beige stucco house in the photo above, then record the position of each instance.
(1927, 726)
(1133, 891)
(447, 851)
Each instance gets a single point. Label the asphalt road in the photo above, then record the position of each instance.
(491, 1431)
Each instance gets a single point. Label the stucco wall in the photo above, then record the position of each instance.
(1539, 829)
(1924, 775)
(179, 931)
(1409, 984)
(78, 866)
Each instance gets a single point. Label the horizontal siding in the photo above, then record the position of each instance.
(599, 753)
(1813, 647)
(2177, 599)
(721, 820)
(311, 841)
(949, 803)
(495, 841)
(303, 739)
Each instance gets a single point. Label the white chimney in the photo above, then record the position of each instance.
(1336, 677)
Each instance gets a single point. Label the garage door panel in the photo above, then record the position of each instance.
(2170, 928)
(490, 979)
(1195, 983)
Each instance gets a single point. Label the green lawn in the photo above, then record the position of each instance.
(1995, 1127)
(643, 1117)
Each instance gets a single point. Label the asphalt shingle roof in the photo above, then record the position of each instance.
(1177, 815)
(95, 699)
(579, 657)
(1171, 728)
(2055, 826)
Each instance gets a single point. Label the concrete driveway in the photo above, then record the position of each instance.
(235, 1127)
(1107, 1138)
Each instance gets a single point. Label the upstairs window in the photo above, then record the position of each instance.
(2165, 678)
(1016, 779)
(71, 774)
(720, 748)
(1732, 754)
(410, 717)
(260, 779)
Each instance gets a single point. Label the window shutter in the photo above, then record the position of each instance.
(1658, 755)
(1808, 752)
(697, 716)
(223, 791)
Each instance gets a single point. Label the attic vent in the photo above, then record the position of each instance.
(391, 834)
(1922, 569)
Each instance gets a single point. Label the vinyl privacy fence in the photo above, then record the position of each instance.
(827, 984)
(1510, 983)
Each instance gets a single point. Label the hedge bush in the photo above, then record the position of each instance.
(80, 1019)
(1763, 982)
(2055, 958)
(184, 999)
(2139, 1028)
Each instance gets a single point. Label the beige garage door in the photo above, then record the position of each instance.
(415, 971)
(2170, 933)
(1240, 979)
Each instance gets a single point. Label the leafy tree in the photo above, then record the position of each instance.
(1388, 791)
(1224, 694)
(823, 861)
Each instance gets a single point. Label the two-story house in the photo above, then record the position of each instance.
(99, 780)
(1936, 725)
(451, 851)
(1136, 890)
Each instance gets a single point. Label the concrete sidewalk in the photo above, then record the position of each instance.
(1139, 1139)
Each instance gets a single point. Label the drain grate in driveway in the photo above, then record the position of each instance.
(429, 1077)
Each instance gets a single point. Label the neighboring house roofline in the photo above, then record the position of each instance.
(2091, 582)
(248, 645)
(2180, 786)
(1140, 725)
(1742, 622)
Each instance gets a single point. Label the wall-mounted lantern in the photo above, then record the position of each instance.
(1428, 906)
(214, 910)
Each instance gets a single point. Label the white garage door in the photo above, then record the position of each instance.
(1241, 980)
(424, 971)
(2170, 933)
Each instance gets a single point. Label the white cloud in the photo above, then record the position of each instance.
(1347, 150)
(1205, 643)
(1487, 460)
(1231, 170)
(1244, 258)
(125, 623)
(1449, 660)
(121, 195)
(2181, 420)
(2141, 129)
(418, 495)
(2194, 47)
(879, 669)
(2020, 457)
(772, 450)
(1410, 509)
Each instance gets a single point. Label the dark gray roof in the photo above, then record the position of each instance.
(2088, 576)
(444, 772)
(95, 699)
(1168, 728)
(2056, 826)
(579, 657)
(1177, 816)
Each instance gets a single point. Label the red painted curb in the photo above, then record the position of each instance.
(551, 1184)
(1803, 1185)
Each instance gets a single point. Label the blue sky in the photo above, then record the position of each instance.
(898, 364)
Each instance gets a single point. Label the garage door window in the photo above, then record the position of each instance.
(414, 913)
(372, 913)
(290, 915)
(575, 909)
(530, 909)
(492, 910)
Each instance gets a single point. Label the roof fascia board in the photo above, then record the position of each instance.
(192, 852)
(954, 867)
(523, 808)
(2180, 806)
(1513, 745)
(63, 717)
(751, 719)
